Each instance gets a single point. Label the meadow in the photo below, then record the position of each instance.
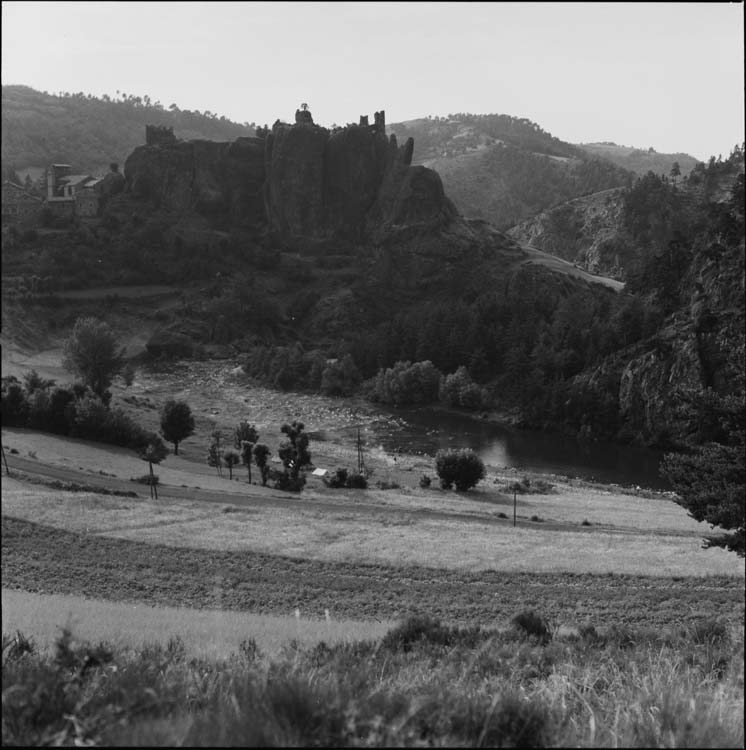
(227, 613)
(422, 684)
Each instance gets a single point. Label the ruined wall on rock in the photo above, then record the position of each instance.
(301, 181)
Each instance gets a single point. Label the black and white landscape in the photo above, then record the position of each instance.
(376, 378)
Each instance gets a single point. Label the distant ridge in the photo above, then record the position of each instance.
(505, 169)
(640, 160)
(91, 132)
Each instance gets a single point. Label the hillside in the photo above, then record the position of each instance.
(638, 160)
(609, 232)
(40, 128)
(505, 169)
(323, 257)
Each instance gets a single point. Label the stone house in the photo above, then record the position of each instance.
(18, 205)
(88, 197)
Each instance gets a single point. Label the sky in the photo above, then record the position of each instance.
(666, 75)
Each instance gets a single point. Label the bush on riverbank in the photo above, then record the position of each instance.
(462, 468)
(425, 681)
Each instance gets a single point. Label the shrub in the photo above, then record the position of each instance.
(357, 481)
(516, 722)
(532, 624)
(458, 389)
(170, 345)
(93, 421)
(708, 631)
(384, 485)
(15, 407)
(249, 650)
(425, 481)
(80, 657)
(18, 645)
(344, 478)
(588, 632)
(285, 481)
(417, 629)
(340, 378)
(462, 468)
(407, 383)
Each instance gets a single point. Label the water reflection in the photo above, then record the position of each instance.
(425, 431)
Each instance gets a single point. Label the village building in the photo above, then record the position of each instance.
(18, 205)
(88, 197)
(72, 194)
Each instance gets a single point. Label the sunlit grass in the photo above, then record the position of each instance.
(205, 633)
(388, 536)
(422, 683)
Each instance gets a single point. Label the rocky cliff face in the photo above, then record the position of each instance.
(586, 231)
(302, 181)
(700, 346)
(214, 179)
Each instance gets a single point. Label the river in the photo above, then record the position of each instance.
(424, 431)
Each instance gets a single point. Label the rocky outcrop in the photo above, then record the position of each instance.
(303, 182)
(212, 178)
(586, 231)
(650, 382)
(294, 190)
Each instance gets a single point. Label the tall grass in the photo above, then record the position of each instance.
(424, 683)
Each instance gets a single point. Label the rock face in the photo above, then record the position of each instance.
(302, 181)
(214, 179)
(587, 231)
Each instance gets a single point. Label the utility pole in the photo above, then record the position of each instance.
(513, 505)
(360, 462)
(5, 460)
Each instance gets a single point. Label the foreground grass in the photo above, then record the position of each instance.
(423, 683)
(206, 633)
(43, 559)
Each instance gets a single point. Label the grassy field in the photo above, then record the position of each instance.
(206, 633)
(198, 599)
(43, 559)
(392, 529)
(422, 684)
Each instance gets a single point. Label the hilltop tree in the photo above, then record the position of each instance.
(231, 458)
(154, 451)
(294, 454)
(177, 422)
(244, 438)
(261, 456)
(214, 454)
(90, 353)
(675, 171)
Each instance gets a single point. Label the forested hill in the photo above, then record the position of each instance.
(88, 132)
(640, 160)
(505, 169)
